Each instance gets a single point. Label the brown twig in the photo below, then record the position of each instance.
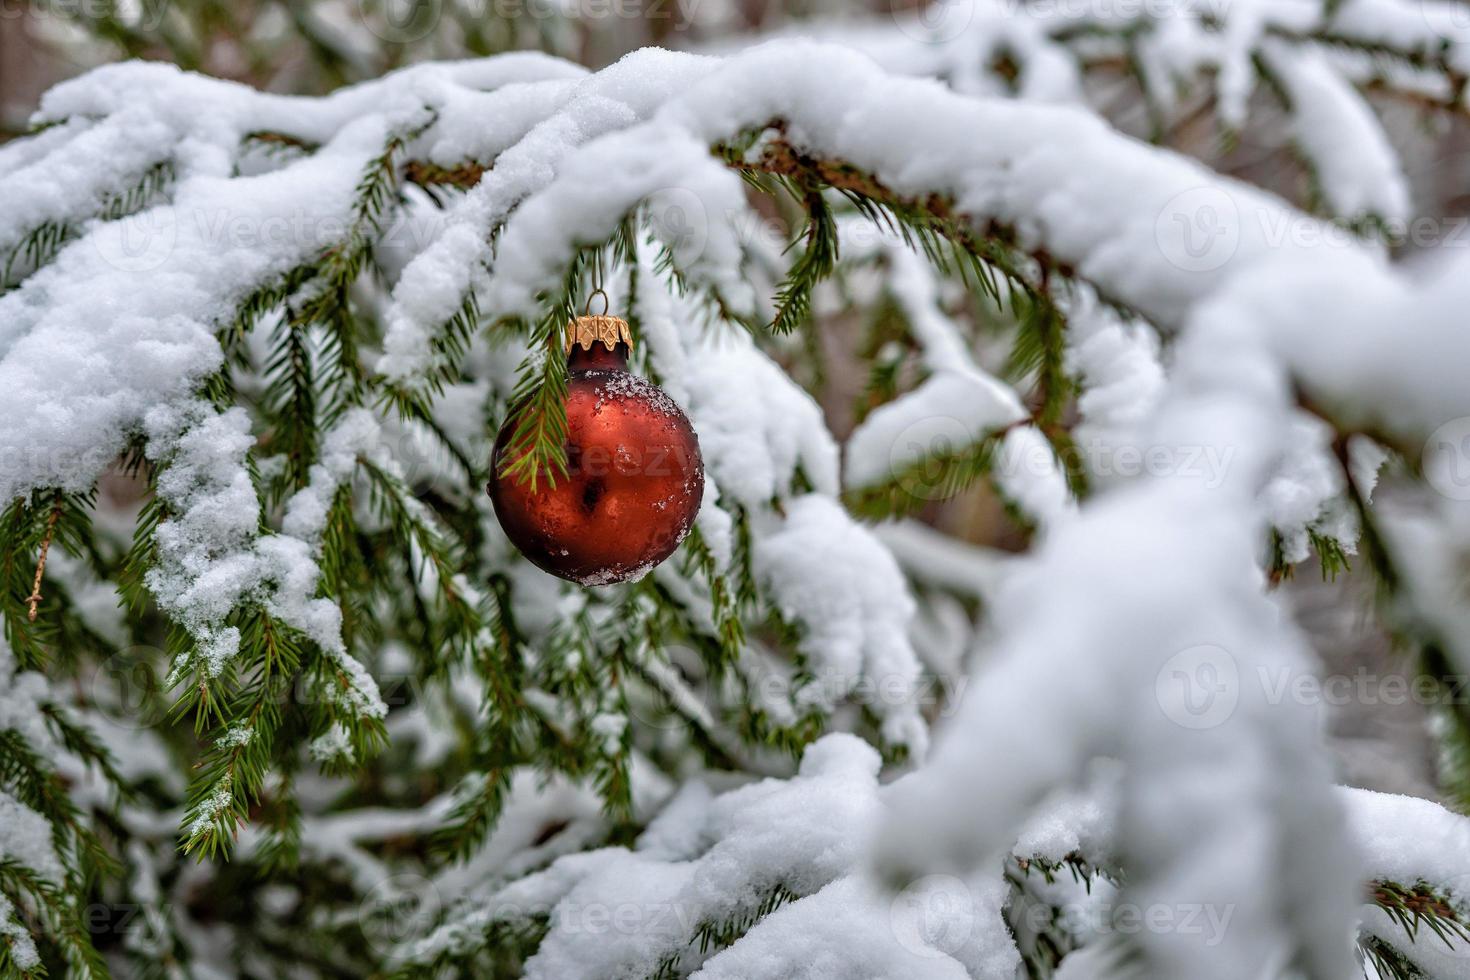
(425, 174)
(34, 599)
(991, 240)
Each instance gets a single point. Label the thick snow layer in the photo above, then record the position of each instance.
(356, 434)
(1411, 842)
(1143, 620)
(1408, 840)
(958, 406)
(22, 692)
(25, 838)
(754, 447)
(915, 427)
(1397, 340)
(852, 928)
(596, 186)
(213, 558)
(1117, 211)
(22, 947)
(707, 859)
(831, 578)
(123, 321)
(1114, 209)
(72, 386)
(1081, 822)
(1121, 377)
(1338, 132)
(434, 283)
(1027, 474)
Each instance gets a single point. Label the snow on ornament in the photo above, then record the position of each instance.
(634, 477)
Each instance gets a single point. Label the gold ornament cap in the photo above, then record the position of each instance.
(588, 329)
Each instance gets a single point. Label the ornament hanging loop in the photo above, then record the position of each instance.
(606, 305)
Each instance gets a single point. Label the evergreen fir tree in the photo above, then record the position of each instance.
(277, 698)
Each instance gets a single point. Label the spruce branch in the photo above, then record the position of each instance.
(27, 531)
(724, 601)
(712, 935)
(32, 780)
(537, 447)
(41, 244)
(478, 802)
(675, 696)
(1421, 905)
(58, 915)
(291, 400)
(1329, 34)
(940, 475)
(815, 263)
(1380, 961)
(931, 225)
(414, 523)
(1435, 662)
(233, 772)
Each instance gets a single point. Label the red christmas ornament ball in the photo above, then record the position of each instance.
(634, 477)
